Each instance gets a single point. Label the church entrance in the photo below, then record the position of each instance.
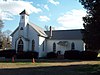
(20, 46)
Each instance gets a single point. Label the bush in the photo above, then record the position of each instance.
(72, 54)
(51, 55)
(35, 54)
(8, 53)
(88, 55)
(84, 55)
(27, 55)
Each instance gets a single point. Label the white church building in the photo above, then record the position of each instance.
(30, 37)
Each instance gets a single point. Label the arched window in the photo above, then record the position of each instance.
(21, 28)
(54, 47)
(33, 45)
(20, 45)
(72, 46)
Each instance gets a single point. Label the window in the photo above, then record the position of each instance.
(72, 46)
(33, 45)
(22, 17)
(43, 46)
(20, 45)
(54, 47)
(21, 28)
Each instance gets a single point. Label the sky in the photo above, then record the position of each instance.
(60, 14)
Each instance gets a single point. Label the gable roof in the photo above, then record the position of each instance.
(39, 30)
(14, 31)
(66, 34)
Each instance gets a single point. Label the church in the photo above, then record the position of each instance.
(30, 37)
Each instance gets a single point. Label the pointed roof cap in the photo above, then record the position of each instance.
(24, 12)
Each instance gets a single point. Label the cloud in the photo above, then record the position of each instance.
(9, 0)
(9, 8)
(54, 2)
(71, 19)
(46, 7)
(44, 18)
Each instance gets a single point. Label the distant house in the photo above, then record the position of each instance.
(30, 37)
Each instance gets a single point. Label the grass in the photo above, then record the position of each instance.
(88, 68)
(66, 67)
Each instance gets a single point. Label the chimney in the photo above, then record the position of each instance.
(50, 31)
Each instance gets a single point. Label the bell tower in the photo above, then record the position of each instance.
(24, 18)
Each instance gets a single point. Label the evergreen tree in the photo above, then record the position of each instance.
(91, 34)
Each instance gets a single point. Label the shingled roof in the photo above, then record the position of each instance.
(65, 34)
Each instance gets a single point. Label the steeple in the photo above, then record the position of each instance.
(24, 18)
(24, 12)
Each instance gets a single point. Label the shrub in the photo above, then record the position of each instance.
(27, 55)
(72, 54)
(84, 55)
(7, 53)
(88, 55)
(35, 54)
(51, 55)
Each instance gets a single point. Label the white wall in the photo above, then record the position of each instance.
(15, 38)
(79, 45)
(41, 46)
(32, 34)
(38, 41)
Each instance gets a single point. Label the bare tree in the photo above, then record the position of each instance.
(46, 28)
(1, 26)
(6, 42)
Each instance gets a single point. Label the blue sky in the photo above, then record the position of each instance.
(60, 14)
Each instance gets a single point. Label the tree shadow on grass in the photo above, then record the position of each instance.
(65, 60)
(54, 70)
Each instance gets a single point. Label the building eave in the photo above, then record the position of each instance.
(14, 31)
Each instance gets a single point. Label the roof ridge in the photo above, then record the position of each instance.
(67, 30)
